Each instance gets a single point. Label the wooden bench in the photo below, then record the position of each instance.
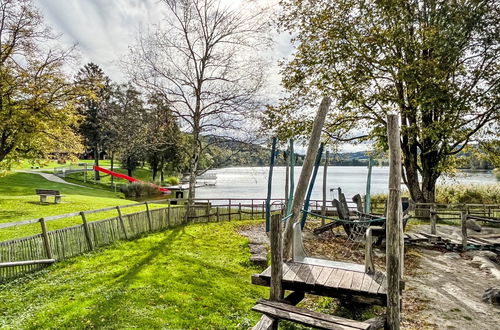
(43, 193)
(277, 310)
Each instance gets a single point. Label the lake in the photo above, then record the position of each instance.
(251, 182)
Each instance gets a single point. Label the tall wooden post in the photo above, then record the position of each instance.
(270, 183)
(394, 226)
(239, 210)
(45, 236)
(276, 258)
(287, 176)
(229, 209)
(86, 230)
(305, 174)
(325, 173)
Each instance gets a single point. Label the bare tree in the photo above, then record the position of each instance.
(203, 58)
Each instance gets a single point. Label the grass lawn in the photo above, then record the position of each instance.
(193, 277)
(18, 201)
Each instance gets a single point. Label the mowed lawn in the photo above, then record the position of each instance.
(192, 277)
(18, 201)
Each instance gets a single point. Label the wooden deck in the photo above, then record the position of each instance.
(330, 281)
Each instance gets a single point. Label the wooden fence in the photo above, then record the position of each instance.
(27, 254)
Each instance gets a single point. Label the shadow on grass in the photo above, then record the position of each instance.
(115, 301)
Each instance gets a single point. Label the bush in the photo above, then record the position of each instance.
(456, 194)
(469, 194)
(139, 190)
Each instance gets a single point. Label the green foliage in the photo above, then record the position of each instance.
(36, 97)
(455, 194)
(194, 277)
(435, 63)
(139, 190)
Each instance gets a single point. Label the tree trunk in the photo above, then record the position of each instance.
(96, 162)
(162, 167)
(194, 167)
(129, 166)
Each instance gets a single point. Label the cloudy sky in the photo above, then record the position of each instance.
(103, 30)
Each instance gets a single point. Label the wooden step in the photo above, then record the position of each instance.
(303, 316)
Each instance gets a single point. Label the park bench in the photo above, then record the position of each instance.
(43, 193)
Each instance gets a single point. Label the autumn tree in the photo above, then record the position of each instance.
(435, 62)
(203, 60)
(95, 91)
(36, 98)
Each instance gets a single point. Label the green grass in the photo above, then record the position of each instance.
(193, 277)
(18, 201)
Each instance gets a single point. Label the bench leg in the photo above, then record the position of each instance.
(57, 199)
(43, 199)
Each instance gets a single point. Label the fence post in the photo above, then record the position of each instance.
(149, 217)
(239, 210)
(464, 230)
(252, 209)
(45, 236)
(276, 258)
(207, 211)
(122, 224)
(433, 218)
(229, 209)
(263, 210)
(86, 230)
(168, 214)
(217, 213)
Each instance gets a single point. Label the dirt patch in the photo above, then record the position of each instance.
(443, 289)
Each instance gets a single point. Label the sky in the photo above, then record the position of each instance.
(104, 29)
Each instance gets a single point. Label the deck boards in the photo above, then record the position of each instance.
(328, 281)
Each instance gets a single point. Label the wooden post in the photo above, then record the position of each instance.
(229, 210)
(394, 225)
(325, 170)
(122, 224)
(239, 210)
(207, 211)
(46, 241)
(263, 210)
(464, 230)
(252, 209)
(86, 230)
(276, 258)
(433, 219)
(270, 184)
(217, 213)
(287, 176)
(150, 225)
(168, 213)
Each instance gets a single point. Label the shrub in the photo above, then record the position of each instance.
(139, 190)
(172, 180)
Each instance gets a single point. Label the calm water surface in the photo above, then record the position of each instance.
(251, 182)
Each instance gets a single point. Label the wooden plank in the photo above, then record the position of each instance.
(331, 321)
(357, 281)
(303, 273)
(335, 278)
(265, 323)
(26, 262)
(266, 272)
(374, 286)
(323, 277)
(290, 275)
(367, 281)
(346, 281)
(313, 276)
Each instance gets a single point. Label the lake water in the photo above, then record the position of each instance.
(251, 182)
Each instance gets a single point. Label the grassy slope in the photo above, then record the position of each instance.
(188, 277)
(19, 202)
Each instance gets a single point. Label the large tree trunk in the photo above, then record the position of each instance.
(193, 169)
(96, 162)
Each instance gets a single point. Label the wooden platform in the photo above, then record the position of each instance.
(330, 281)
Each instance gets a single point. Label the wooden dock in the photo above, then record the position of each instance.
(346, 280)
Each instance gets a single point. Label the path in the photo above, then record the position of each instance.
(52, 177)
